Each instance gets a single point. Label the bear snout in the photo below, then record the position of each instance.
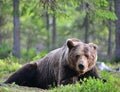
(81, 66)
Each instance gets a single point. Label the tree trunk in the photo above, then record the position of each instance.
(16, 21)
(54, 32)
(117, 30)
(86, 24)
(109, 38)
(110, 31)
(48, 27)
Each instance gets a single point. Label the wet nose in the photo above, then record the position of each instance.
(81, 66)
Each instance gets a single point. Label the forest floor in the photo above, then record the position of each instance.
(112, 85)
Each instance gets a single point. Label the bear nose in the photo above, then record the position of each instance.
(81, 66)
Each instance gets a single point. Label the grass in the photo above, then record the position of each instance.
(90, 85)
(16, 88)
(9, 65)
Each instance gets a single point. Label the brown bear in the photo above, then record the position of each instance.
(73, 59)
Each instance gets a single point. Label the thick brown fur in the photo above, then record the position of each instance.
(58, 66)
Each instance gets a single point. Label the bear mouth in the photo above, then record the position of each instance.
(81, 72)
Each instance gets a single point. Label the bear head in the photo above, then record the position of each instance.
(81, 56)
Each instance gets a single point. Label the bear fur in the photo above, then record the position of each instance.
(74, 59)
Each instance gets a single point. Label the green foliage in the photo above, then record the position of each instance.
(88, 85)
(105, 14)
(40, 55)
(70, 16)
(4, 89)
(16, 88)
(101, 9)
(9, 65)
(4, 51)
(59, 7)
(29, 54)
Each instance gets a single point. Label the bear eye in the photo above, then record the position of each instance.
(86, 56)
(77, 56)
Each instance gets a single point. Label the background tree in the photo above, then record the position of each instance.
(36, 24)
(48, 29)
(16, 21)
(109, 51)
(117, 30)
(54, 38)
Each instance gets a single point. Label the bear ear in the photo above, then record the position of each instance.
(70, 43)
(93, 45)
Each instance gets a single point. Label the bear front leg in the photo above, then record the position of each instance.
(72, 80)
(92, 73)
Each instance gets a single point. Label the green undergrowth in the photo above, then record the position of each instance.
(89, 85)
(7, 66)
(16, 88)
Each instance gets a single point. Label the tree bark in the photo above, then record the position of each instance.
(16, 22)
(109, 38)
(109, 52)
(117, 30)
(48, 27)
(54, 32)
(86, 24)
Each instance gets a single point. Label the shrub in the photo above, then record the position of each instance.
(40, 55)
(88, 85)
(9, 65)
(4, 51)
(28, 54)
